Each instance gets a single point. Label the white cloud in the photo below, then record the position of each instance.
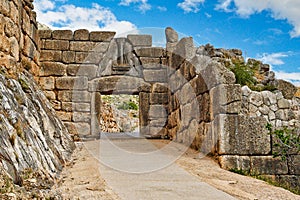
(280, 10)
(293, 77)
(162, 8)
(273, 58)
(190, 5)
(69, 16)
(143, 5)
(208, 15)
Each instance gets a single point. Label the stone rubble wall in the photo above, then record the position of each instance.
(32, 137)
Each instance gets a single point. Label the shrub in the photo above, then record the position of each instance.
(243, 74)
(286, 140)
(128, 106)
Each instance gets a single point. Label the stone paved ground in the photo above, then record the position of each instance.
(83, 180)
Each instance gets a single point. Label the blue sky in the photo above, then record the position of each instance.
(268, 30)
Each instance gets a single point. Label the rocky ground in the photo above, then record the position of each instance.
(120, 113)
(82, 178)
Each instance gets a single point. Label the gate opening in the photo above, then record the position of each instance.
(119, 113)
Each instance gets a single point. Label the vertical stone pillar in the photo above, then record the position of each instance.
(144, 103)
(95, 113)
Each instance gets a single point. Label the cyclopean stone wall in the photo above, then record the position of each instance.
(76, 68)
(231, 120)
(32, 138)
(186, 93)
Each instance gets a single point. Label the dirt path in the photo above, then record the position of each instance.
(82, 179)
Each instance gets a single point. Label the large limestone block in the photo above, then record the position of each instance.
(82, 45)
(185, 48)
(242, 135)
(268, 165)
(118, 84)
(56, 45)
(215, 74)
(70, 83)
(81, 34)
(171, 35)
(154, 52)
(52, 69)
(51, 55)
(226, 99)
(157, 111)
(101, 36)
(229, 162)
(140, 40)
(158, 98)
(62, 34)
(74, 96)
(155, 76)
(288, 89)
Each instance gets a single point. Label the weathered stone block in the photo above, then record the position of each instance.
(82, 45)
(69, 83)
(198, 85)
(144, 103)
(242, 135)
(173, 119)
(186, 94)
(294, 164)
(215, 74)
(64, 116)
(229, 162)
(288, 89)
(52, 69)
(118, 84)
(158, 98)
(159, 88)
(176, 81)
(74, 96)
(140, 40)
(157, 111)
(62, 34)
(81, 57)
(67, 106)
(56, 45)
(155, 76)
(186, 115)
(171, 35)
(45, 34)
(50, 95)
(158, 131)
(155, 52)
(203, 102)
(82, 107)
(268, 165)
(81, 117)
(158, 122)
(68, 56)
(100, 36)
(83, 129)
(151, 63)
(51, 55)
(284, 104)
(4, 7)
(185, 48)
(88, 70)
(225, 99)
(47, 83)
(81, 34)
(29, 49)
